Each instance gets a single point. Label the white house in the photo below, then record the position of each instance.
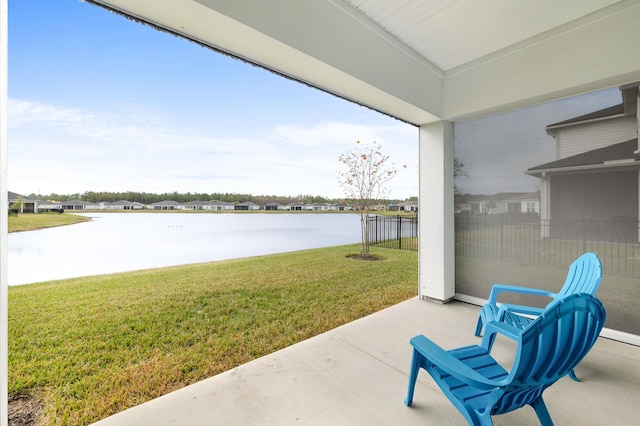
(222, 206)
(408, 206)
(523, 203)
(165, 205)
(320, 206)
(122, 205)
(197, 205)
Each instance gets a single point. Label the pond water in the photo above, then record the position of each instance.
(116, 242)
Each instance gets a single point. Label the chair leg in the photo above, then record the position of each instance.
(573, 376)
(413, 375)
(488, 340)
(479, 326)
(542, 412)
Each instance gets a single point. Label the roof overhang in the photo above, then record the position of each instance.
(603, 167)
(622, 155)
(366, 56)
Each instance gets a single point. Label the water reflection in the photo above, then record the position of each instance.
(114, 242)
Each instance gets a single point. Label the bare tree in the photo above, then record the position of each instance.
(367, 172)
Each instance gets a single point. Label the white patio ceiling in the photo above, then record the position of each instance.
(420, 60)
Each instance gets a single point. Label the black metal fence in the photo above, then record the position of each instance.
(528, 240)
(397, 232)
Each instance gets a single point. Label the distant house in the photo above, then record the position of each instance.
(197, 205)
(320, 206)
(122, 205)
(294, 206)
(524, 203)
(165, 205)
(222, 206)
(23, 203)
(79, 205)
(596, 171)
(247, 205)
(274, 206)
(92, 206)
(480, 206)
(487, 205)
(48, 206)
(408, 206)
(298, 206)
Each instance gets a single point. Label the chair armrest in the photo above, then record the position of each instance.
(494, 327)
(519, 309)
(452, 365)
(499, 288)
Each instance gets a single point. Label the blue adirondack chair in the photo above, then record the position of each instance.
(584, 276)
(547, 350)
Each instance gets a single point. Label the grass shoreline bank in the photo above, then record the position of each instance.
(90, 347)
(31, 222)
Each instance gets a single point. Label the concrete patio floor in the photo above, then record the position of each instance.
(357, 375)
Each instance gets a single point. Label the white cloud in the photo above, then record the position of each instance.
(61, 149)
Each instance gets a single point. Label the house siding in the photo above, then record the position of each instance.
(576, 139)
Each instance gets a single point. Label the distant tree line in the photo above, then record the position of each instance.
(150, 198)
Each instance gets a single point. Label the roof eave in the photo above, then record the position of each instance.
(618, 164)
(580, 123)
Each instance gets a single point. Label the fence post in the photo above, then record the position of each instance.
(376, 229)
(399, 232)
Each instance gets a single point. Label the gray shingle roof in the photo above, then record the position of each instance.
(607, 112)
(616, 152)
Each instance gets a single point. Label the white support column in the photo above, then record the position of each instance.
(4, 309)
(436, 257)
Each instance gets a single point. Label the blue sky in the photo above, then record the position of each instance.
(100, 103)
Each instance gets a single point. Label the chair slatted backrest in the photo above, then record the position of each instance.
(550, 347)
(584, 276)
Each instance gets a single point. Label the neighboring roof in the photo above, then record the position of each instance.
(616, 153)
(603, 113)
(15, 196)
(197, 203)
(221, 203)
(166, 203)
(125, 203)
(78, 202)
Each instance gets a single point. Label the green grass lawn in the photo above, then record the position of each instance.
(31, 221)
(90, 347)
